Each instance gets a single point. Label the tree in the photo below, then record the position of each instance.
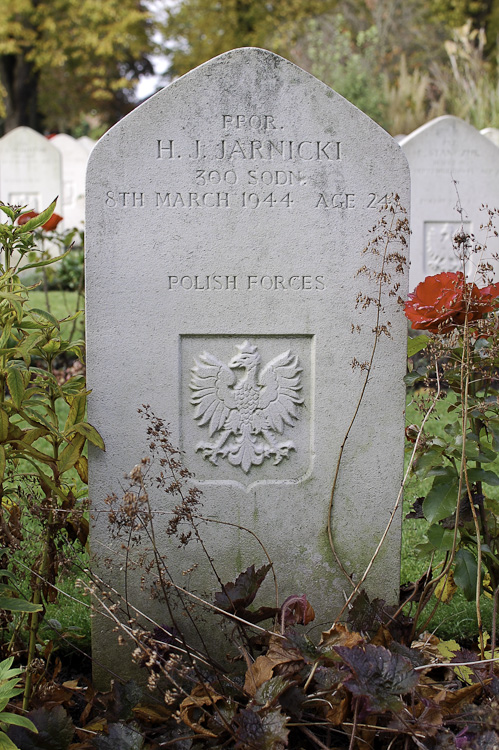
(202, 29)
(62, 59)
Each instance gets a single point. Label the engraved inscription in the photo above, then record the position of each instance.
(439, 252)
(252, 165)
(246, 412)
(217, 282)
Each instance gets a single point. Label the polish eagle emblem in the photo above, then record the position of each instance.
(245, 414)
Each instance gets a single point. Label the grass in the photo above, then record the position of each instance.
(62, 304)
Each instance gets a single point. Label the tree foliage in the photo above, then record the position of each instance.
(202, 29)
(61, 59)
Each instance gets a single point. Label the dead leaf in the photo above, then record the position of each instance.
(339, 703)
(202, 695)
(383, 637)
(97, 725)
(286, 659)
(446, 588)
(157, 714)
(339, 635)
(453, 701)
(259, 672)
(72, 685)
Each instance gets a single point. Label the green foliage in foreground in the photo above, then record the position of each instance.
(457, 618)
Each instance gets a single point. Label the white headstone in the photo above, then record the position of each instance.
(226, 219)
(450, 162)
(30, 170)
(492, 134)
(74, 165)
(86, 142)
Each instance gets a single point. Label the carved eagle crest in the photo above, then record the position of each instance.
(246, 413)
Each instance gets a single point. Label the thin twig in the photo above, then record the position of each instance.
(394, 509)
(494, 627)
(313, 738)
(354, 725)
(249, 531)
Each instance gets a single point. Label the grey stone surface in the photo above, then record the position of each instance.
(492, 134)
(226, 222)
(74, 165)
(449, 161)
(30, 170)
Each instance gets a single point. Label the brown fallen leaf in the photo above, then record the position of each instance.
(339, 703)
(286, 660)
(257, 674)
(202, 695)
(156, 714)
(339, 635)
(383, 637)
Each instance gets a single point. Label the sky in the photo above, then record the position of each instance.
(148, 84)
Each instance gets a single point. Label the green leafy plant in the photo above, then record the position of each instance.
(9, 688)
(462, 357)
(36, 450)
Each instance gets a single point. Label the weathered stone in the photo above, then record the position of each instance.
(226, 222)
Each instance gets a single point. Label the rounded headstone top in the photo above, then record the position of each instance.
(23, 134)
(446, 124)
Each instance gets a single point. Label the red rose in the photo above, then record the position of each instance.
(49, 225)
(441, 302)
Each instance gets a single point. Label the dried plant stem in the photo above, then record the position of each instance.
(494, 628)
(205, 603)
(354, 725)
(353, 419)
(377, 333)
(465, 385)
(446, 570)
(194, 652)
(394, 509)
(249, 531)
(456, 664)
(311, 736)
(311, 676)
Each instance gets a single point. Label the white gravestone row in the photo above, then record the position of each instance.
(451, 164)
(226, 219)
(34, 170)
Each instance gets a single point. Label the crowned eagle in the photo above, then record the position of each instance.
(246, 413)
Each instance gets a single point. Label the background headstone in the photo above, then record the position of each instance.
(74, 165)
(86, 142)
(30, 170)
(226, 222)
(450, 162)
(492, 134)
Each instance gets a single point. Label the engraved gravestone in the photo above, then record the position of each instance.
(443, 151)
(30, 170)
(226, 222)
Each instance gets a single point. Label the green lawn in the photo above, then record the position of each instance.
(62, 305)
